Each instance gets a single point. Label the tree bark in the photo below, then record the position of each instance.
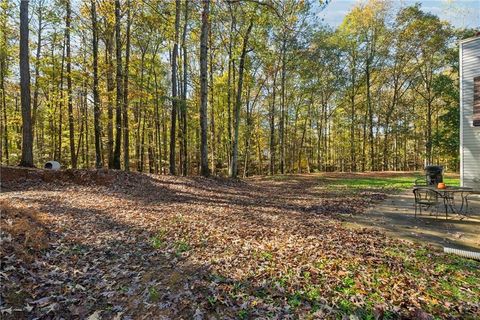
(126, 153)
(158, 133)
(37, 64)
(204, 170)
(238, 102)
(370, 114)
(229, 86)
(96, 96)
(119, 79)
(428, 135)
(212, 108)
(139, 109)
(110, 88)
(27, 143)
(184, 94)
(173, 123)
(3, 74)
(71, 125)
(353, 166)
(272, 124)
(60, 105)
(282, 108)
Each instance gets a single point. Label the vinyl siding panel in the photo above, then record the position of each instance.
(470, 135)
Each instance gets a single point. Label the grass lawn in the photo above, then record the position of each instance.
(397, 182)
(128, 245)
(387, 181)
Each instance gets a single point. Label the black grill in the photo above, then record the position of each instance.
(434, 175)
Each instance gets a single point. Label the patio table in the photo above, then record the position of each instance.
(448, 195)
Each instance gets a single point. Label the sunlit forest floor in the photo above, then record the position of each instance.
(106, 244)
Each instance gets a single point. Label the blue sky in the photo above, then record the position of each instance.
(461, 13)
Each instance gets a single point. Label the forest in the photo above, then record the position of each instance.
(233, 159)
(229, 88)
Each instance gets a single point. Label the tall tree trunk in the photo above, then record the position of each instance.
(370, 116)
(142, 143)
(173, 123)
(158, 133)
(184, 93)
(428, 135)
(212, 108)
(59, 104)
(353, 166)
(126, 153)
(71, 127)
(229, 86)
(320, 127)
(272, 124)
(96, 96)
(248, 132)
(37, 64)
(302, 140)
(3, 73)
(238, 102)
(139, 109)
(164, 137)
(110, 88)
(86, 120)
(27, 138)
(119, 79)
(363, 139)
(282, 108)
(4, 116)
(151, 155)
(204, 170)
(81, 112)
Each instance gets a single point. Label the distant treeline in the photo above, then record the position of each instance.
(234, 87)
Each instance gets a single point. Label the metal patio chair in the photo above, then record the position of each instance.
(426, 198)
(420, 182)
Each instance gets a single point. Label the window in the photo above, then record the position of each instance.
(476, 102)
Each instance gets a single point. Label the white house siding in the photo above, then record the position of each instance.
(469, 135)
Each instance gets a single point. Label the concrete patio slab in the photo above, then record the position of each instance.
(395, 216)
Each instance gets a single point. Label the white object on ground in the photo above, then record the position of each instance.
(463, 253)
(52, 165)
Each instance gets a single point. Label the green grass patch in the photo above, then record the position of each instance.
(243, 314)
(158, 240)
(182, 246)
(153, 294)
(404, 182)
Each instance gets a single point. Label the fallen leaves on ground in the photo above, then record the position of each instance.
(116, 245)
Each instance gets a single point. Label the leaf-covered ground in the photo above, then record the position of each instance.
(115, 245)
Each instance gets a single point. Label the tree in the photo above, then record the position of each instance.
(71, 127)
(204, 170)
(96, 97)
(238, 102)
(5, 55)
(108, 39)
(184, 94)
(272, 122)
(173, 123)
(126, 153)
(430, 37)
(119, 80)
(41, 26)
(27, 139)
(289, 95)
